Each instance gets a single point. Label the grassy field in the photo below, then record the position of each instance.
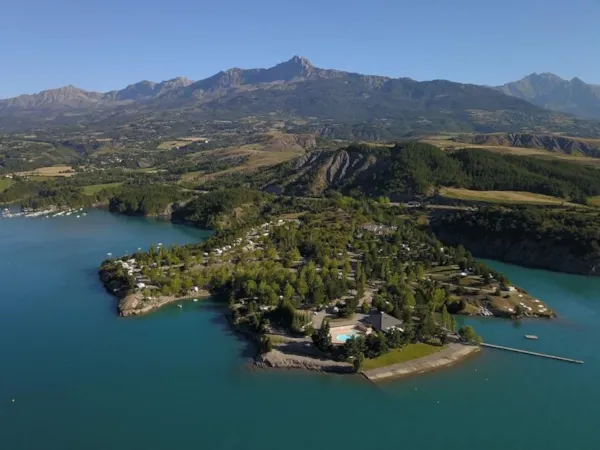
(594, 201)
(511, 197)
(400, 355)
(95, 188)
(168, 145)
(445, 142)
(5, 183)
(181, 142)
(276, 339)
(54, 171)
(149, 170)
(255, 160)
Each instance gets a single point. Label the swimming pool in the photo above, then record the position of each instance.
(347, 335)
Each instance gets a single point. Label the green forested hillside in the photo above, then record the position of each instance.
(206, 210)
(146, 200)
(417, 168)
(578, 230)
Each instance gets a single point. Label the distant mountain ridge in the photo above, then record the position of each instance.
(296, 69)
(555, 93)
(68, 96)
(71, 96)
(338, 104)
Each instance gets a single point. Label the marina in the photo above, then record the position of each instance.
(41, 213)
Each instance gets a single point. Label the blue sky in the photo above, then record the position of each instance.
(107, 44)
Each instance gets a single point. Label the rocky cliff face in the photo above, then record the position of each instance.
(319, 170)
(524, 252)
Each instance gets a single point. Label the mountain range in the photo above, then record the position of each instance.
(552, 92)
(329, 101)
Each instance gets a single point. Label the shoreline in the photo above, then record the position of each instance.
(298, 353)
(130, 305)
(499, 258)
(447, 357)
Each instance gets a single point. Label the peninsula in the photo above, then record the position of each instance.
(339, 284)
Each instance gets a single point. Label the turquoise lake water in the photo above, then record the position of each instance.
(83, 378)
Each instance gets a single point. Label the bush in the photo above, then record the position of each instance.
(265, 344)
(467, 333)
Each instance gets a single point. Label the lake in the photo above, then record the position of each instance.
(83, 378)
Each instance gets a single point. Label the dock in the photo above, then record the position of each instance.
(527, 352)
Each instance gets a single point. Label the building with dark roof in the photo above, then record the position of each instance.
(381, 321)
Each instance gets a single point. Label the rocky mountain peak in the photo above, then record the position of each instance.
(63, 91)
(300, 61)
(177, 82)
(62, 96)
(547, 76)
(297, 67)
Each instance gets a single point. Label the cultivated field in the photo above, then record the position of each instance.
(255, 160)
(95, 188)
(512, 197)
(54, 171)
(5, 183)
(181, 142)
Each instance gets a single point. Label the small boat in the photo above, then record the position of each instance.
(195, 300)
(531, 336)
(78, 216)
(180, 306)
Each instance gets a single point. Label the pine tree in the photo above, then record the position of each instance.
(358, 362)
(359, 271)
(445, 317)
(322, 338)
(452, 325)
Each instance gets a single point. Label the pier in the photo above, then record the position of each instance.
(527, 352)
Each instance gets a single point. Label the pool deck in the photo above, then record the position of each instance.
(444, 358)
(350, 329)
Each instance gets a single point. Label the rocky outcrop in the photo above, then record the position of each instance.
(319, 170)
(280, 360)
(525, 252)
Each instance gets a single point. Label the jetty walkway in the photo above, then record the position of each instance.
(527, 352)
